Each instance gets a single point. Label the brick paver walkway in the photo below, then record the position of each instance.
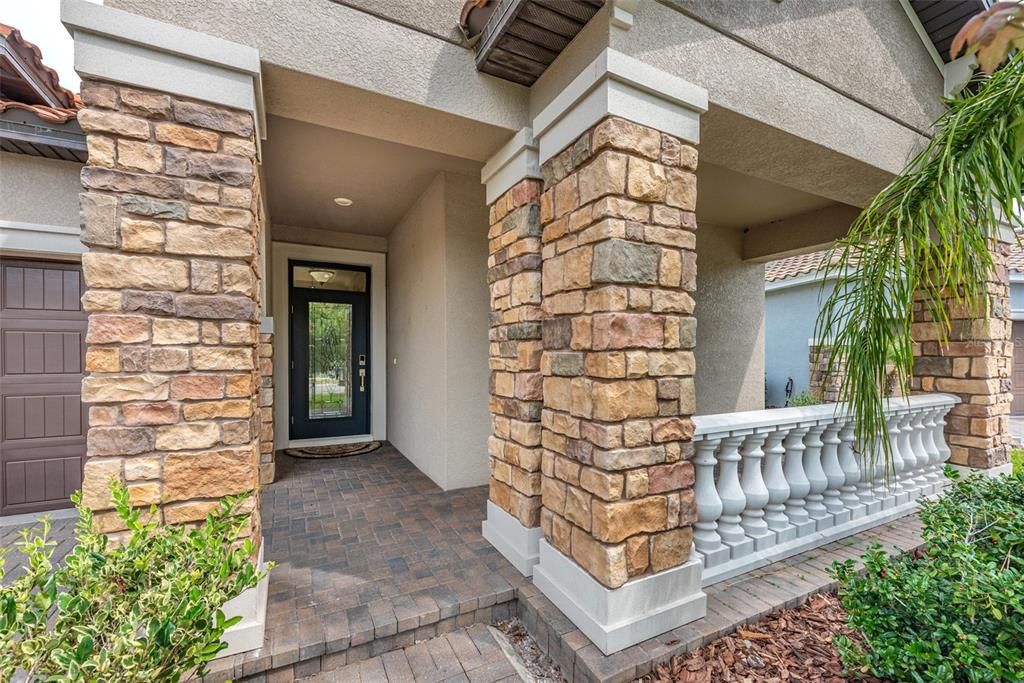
(470, 654)
(371, 557)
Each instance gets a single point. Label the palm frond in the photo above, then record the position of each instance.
(925, 240)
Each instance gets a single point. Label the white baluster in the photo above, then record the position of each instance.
(905, 440)
(709, 505)
(935, 476)
(879, 486)
(816, 477)
(851, 472)
(939, 436)
(834, 475)
(894, 486)
(755, 491)
(796, 506)
(921, 481)
(778, 487)
(733, 500)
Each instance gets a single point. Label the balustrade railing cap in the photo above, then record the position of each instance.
(725, 424)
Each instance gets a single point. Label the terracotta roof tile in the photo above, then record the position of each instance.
(48, 114)
(794, 266)
(34, 57)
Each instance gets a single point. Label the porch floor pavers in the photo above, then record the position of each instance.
(371, 556)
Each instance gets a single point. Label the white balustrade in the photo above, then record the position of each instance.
(773, 483)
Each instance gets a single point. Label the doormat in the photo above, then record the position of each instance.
(338, 451)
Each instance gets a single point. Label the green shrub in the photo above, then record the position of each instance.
(804, 398)
(956, 611)
(148, 610)
(1017, 458)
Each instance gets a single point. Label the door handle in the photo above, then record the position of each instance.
(362, 379)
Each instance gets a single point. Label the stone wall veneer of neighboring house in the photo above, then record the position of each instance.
(975, 364)
(172, 223)
(619, 274)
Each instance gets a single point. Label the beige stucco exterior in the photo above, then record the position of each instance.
(39, 191)
(437, 312)
(730, 324)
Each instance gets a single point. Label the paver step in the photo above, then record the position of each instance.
(471, 654)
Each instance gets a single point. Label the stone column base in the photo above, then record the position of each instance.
(516, 542)
(252, 607)
(615, 619)
(999, 471)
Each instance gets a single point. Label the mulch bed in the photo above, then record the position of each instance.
(790, 645)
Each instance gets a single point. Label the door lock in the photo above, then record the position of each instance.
(362, 379)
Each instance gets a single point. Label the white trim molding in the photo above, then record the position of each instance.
(17, 236)
(615, 619)
(621, 13)
(520, 545)
(616, 84)
(122, 47)
(280, 254)
(517, 159)
(1003, 470)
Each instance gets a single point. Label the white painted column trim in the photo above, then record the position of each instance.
(616, 84)
(121, 47)
(520, 545)
(615, 619)
(516, 160)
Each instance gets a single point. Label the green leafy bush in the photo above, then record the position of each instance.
(804, 398)
(955, 612)
(147, 610)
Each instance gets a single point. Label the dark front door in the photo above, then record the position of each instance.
(42, 419)
(330, 349)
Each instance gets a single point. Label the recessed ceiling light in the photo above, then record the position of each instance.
(343, 201)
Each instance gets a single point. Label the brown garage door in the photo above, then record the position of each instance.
(43, 421)
(1018, 368)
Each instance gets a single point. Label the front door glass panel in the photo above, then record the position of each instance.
(330, 360)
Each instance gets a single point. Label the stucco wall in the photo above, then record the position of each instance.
(355, 58)
(730, 324)
(762, 88)
(416, 308)
(866, 48)
(466, 324)
(437, 333)
(790, 313)
(40, 191)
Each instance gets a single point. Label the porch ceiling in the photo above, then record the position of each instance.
(307, 166)
(736, 200)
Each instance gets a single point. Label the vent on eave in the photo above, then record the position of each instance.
(523, 37)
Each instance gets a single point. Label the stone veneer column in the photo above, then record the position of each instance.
(514, 278)
(170, 217)
(619, 275)
(619, 330)
(976, 365)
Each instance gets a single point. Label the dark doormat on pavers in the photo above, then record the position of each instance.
(339, 451)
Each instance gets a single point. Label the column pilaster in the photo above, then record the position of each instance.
(514, 278)
(619, 331)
